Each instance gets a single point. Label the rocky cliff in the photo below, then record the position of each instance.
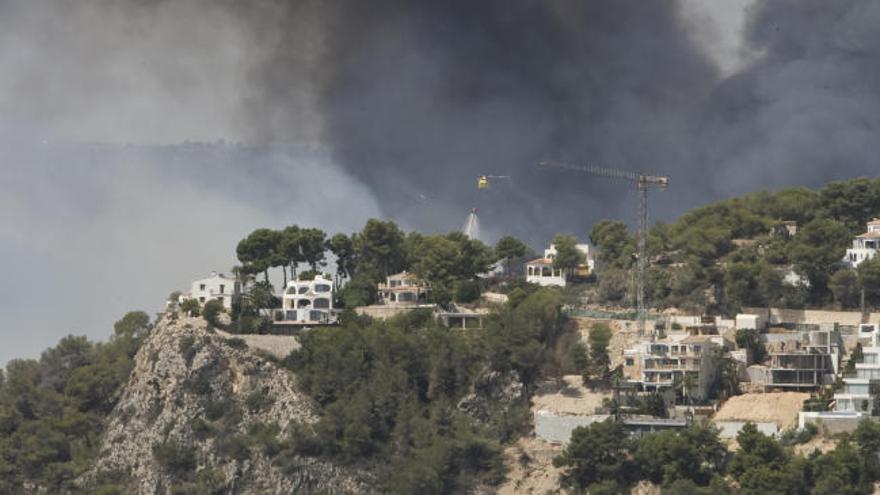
(203, 411)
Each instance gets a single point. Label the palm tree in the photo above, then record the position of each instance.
(685, 383)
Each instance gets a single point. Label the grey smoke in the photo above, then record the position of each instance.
(388, 108)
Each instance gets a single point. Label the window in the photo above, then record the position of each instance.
(406, 297)
(303, 289)
(303, 303)
(222, 287)
(322, 303)
(629, 361)
(202, 299)
(322, 288)
(201, 286)
(857, 388)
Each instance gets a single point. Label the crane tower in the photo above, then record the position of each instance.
(643, 183)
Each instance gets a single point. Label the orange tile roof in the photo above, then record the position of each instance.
(540, 261)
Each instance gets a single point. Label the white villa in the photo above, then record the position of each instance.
(541, 271)
(865, 246)
(308, 301)
(856, 395)
(218, 286)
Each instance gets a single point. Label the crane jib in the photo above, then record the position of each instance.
(643, 182)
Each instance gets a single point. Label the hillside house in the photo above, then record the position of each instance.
(856, 393)
(865, 246)
(308, 302)
(664, 364)
(807, 361)
(541, 271)
(403, 289)
(218, 286)
(855, 400)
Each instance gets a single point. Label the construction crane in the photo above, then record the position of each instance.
(483, 180)
(643, 182)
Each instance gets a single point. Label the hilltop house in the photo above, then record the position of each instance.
(403, 289)
(308, 302)
(865, 246)
(541, 271)
(218, 286)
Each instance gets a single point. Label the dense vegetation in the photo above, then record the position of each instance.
(422, 403)
(735, 253)
(604, 459)
(451, 263)
(52, 410)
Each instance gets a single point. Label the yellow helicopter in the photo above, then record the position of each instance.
(483, 180)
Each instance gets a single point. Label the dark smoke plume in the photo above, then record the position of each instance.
(422, 97)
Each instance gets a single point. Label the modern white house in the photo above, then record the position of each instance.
(855, 395)
(865, 246)
(855, 401)
(541, 271)
(218, 286)
(308, 302)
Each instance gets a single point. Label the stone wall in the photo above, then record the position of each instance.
(557, 428)
(729, 429)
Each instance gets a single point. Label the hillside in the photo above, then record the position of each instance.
(779, 248)
(203, 409)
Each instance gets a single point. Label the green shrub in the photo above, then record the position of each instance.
(202, 429)
(233, 447)
(257, 401)
(216, 409)
(190, 307)
(212, 311)
(236, 343)
(265, 437)
(187, 348)
(198, 383)
(467, 291)
(207, 482)
(179, 459)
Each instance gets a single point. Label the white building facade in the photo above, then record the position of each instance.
(216, 287)
(541, 271)
(308, 301)
(865, 246)
(664, 364)
(856, 393)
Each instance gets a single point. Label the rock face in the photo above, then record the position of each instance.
(493, 392)
(191, 387)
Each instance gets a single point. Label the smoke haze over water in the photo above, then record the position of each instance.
(394, 108)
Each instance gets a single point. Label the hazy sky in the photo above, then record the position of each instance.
(346, 111)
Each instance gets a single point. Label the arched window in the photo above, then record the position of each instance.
(303, 303)
(322, 303)
(322, 288)
(303, 289)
